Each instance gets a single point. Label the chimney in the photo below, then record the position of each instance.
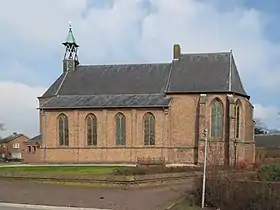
(176, 51)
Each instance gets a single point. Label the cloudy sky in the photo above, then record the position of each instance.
(133, 31)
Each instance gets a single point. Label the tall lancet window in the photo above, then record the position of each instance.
(217, 119)
(91, 128)
(63, 130)
(237, 119)
(149, 129)
(120, 129)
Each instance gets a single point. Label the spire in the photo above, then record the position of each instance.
(70, 39)
(70, 60)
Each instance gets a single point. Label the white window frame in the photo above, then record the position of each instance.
(16, 145)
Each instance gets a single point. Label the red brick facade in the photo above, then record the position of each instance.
(12, 147)
(178, 133)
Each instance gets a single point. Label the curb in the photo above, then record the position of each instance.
(37, 207)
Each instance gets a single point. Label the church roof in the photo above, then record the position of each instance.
(207, 73)
(112, 79)
(108, 101)
(144, 84)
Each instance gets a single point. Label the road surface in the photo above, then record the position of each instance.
(151, 198)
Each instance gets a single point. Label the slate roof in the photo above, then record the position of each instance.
(144, 85)
(10, 138)
(37, 138)
(267, 140)
(112, 79)
(108, 101)
(208, 72)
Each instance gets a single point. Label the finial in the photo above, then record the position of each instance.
(70, 25)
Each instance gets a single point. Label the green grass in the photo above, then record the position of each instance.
(86, 170)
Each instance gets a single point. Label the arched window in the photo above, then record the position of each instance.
(120, 129)
(149, 129)
(91, 128)
(63, 130)
(237, 120)
(217, 119)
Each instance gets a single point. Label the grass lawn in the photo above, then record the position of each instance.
(96, 170)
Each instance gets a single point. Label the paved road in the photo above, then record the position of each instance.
(28, 192)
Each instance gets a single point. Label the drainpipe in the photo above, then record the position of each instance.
(44, 136)
(205, 132)
(235, 152)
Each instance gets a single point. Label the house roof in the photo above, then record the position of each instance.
(37, 138)
(267, 140)
(11, 137)
(115, 85)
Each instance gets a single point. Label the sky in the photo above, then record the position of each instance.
(133, 31)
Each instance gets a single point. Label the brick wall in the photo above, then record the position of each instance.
(32, 153)
(178, 131)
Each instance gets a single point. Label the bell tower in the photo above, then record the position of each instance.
(70, 60)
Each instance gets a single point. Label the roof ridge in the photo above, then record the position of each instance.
(123, 64)
(169, 78)
(207, 53)
(230, 72)
(140, 94)
(58, 89)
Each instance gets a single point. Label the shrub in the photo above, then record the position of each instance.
(142, 170)
(242, 164)
(269, 172)
(231, 194)
(157, 169)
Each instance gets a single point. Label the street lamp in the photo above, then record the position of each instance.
(205, 132)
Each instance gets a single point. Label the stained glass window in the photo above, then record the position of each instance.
(216, 119)
(120, 129)
(63, 133)
(91, 128)
(237, 120)
(149, 129)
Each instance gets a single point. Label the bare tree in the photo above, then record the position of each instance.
(2, 128)
(260, 127)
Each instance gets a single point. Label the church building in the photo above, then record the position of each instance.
(124, 113)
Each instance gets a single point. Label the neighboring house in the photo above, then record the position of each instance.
(126, 112)
(32, 152)
(11, 147)
(267, 146)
